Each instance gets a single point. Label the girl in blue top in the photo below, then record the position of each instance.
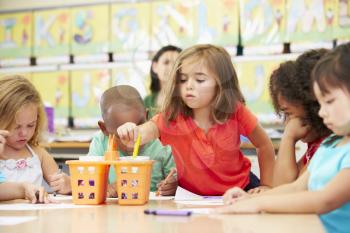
(325, 188)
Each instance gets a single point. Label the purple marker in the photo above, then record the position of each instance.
(169, 212)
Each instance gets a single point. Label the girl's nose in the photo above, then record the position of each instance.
(322, 112)
(189, 84)
(22, 132)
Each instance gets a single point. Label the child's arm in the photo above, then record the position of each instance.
(128, 132)
(335, 194)
(298, 185)
(16, 190)
(58, 181)
(286, 167)
(265, 153)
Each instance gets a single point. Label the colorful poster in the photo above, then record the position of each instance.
(262, 22)
(130, 28)
(87, 87)
(54, 90)
(219, 26)
(51, 32)
(173, 23)
(254, 75)
(133, 74)
(342, 19)
(16, 35)
(90, 31)
(309, 20)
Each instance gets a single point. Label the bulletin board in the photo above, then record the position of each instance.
(342, 19)
(219, 26)
(254, 76)
(262, 23)
(309, 20)
(173, 23)
(90, 30)
(87, 87)
(130, 27)
(54, 90)
(52, 32)
(16, 35)
(134, 74)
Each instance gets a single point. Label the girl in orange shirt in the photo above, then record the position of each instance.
(202, 118)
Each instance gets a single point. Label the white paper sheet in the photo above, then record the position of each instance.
(29, 206)
(186, 197)
(11, 220)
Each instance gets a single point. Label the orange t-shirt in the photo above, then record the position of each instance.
(209, 163)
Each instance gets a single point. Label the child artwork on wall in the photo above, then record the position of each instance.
(262, 22)
(88, 37)
(219, 26)
(172, 23)
(130, 28)
(253, 78)
(87, 87)
(342, 20)
(16, 35)
(51, 32)
(54, 90)
(134, 74)
(309, 20)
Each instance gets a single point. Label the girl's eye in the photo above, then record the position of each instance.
(329, 101)
(31, 126)
(200, 80)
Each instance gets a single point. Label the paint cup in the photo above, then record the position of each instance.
(133, 179)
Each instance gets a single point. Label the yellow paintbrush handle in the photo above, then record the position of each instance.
(137, 146)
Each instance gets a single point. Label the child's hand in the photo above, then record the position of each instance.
(234, 194)
(128, 133)
(35, 194)
(112, 190)
(259, 189)
(296, 129)
(247, 206)
(3, 135)
(60, 182)
(168, 187)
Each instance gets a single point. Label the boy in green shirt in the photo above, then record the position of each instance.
(120, 104)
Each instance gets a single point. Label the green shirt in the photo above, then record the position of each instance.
(162, 156)
(151, 105)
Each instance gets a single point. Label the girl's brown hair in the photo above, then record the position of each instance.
(219, 63)
(333, 70)
(15, 92)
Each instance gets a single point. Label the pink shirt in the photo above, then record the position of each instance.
(209, 163)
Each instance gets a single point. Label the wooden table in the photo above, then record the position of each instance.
(114, 218)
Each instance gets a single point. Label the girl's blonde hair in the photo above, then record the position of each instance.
(219, 64)
(15, 92)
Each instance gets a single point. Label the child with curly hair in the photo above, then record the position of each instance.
(292, 97)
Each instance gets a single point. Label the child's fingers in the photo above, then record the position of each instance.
(4, 133)
(41, 195)
(232, 194)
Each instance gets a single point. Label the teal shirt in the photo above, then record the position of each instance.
(327, 162)
(2, 178)
(162, 156)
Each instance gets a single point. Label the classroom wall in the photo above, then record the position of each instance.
(81, 48)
